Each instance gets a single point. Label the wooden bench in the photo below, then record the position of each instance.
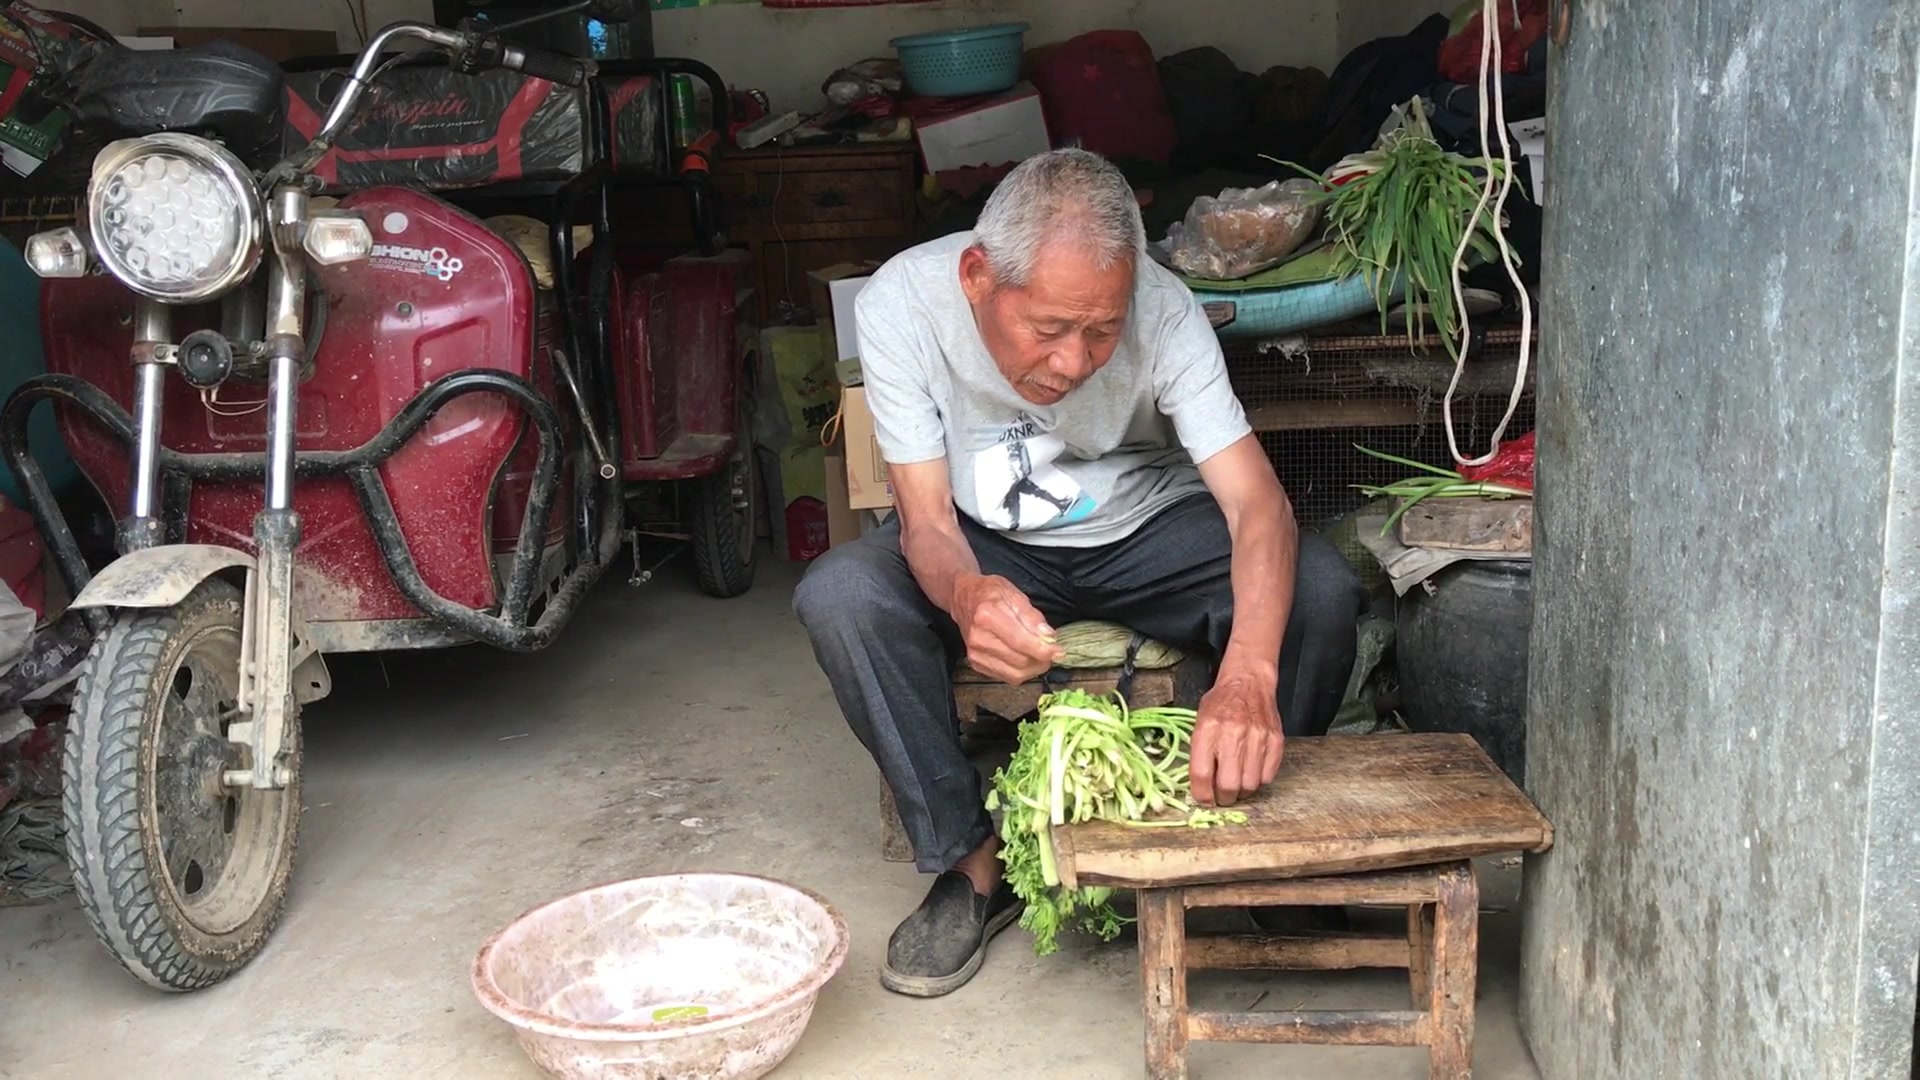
(1381, 820)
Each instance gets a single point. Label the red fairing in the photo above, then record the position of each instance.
(441, 294)
(681, 333)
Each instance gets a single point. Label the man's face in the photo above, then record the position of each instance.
(1051, 334)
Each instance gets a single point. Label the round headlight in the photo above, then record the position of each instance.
(174, 217)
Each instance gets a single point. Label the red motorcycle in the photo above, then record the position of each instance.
(338, 428)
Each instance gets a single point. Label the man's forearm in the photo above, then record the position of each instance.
(1266, 548)
(938, 555)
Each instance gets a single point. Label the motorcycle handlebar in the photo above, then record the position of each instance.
(541, 64)
(471, 52)
(365, 65)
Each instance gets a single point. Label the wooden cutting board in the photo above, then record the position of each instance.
(1340, 804)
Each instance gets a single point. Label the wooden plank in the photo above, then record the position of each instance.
(1325, 415)
(1382, 887)
(1163, 982)
(1488, 525)
(1282, 952)
(1456, 946)
(1420, 954)
(1063, 857)
(1382, 1028)
(1340, 804)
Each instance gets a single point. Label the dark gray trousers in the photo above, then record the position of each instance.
(889, 653)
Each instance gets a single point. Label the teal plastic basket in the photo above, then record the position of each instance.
(962, 63)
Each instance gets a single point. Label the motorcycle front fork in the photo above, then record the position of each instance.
(268, 634)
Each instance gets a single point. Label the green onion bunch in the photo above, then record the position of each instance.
(1396, 215)
(1432, 482)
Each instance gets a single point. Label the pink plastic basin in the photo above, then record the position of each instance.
(688, 977)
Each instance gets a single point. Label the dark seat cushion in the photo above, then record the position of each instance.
(218, 89)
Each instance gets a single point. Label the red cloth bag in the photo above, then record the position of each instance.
(1101, 91)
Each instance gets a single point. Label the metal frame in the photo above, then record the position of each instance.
(509, 628)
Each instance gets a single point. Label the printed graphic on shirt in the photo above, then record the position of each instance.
(1016, 484)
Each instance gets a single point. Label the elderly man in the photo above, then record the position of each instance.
(1063, 443)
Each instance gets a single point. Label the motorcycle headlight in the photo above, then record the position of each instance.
(174, 217)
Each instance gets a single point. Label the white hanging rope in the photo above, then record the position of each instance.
(1490, 70)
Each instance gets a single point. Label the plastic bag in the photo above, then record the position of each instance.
(866, 79)
(17, 621)
(809, 396)
(50, 664)
(1512, 465)
(1244, 230)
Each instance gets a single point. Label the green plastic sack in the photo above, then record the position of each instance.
(809, 396)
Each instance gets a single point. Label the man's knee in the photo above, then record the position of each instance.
(847, 585)
(1327, 592)
(829, 576)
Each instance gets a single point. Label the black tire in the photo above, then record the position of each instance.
(725, 524)
(160, 678)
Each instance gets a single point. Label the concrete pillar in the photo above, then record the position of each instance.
(1725, 714)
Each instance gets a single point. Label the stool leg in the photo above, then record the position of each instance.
(1163, 981)
(893, 835)
(1420, 954)
(1456, 936)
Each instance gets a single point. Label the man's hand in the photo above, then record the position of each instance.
(1007, 637)
(1236, 740)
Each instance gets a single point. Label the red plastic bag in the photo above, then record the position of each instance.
(1460, 54)
(1512, 465)
(1101, 91)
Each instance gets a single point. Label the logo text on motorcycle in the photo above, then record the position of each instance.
(433, 262)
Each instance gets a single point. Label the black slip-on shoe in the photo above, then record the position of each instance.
(942, 944)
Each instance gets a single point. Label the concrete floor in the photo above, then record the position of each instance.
(666, 732)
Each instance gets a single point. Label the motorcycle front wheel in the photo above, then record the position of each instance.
(182, 877)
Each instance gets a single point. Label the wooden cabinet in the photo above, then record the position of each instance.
(794, 210)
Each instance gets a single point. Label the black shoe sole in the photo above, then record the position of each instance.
(933, 986)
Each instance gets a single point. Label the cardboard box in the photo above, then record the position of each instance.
(831, 292)
(843, 521)
(276, 45)
(867, 485)
(1007, 130)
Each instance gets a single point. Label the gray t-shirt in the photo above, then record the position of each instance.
(1084, 472)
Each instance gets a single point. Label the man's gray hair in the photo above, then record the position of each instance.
(1075, 193)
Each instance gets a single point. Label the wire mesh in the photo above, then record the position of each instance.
(1311, 399)
(21, 217)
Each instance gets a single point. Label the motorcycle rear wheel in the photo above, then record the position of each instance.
(724, 527)
(182, 878)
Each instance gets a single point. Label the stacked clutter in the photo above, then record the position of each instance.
(1460, 561)
(40, 658)
(1254, 150)
(38, 665)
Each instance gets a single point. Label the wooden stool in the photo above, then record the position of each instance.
(974, 693)
(1437, 950)
(1374, 819)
